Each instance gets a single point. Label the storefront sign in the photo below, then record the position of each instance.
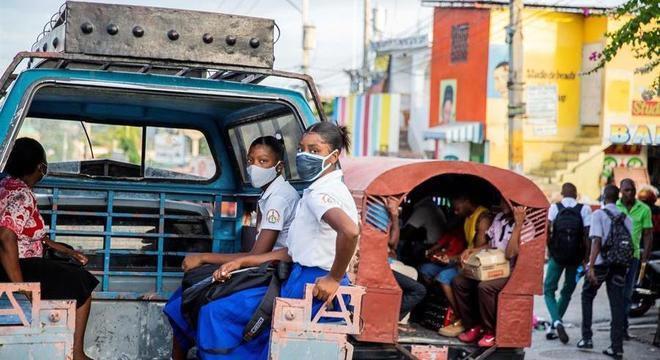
(459, 42)
(406, 43)
(635, 134)
(170, 149)
(542, 109)
(646, 108)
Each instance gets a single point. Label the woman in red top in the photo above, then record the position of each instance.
(23, 236)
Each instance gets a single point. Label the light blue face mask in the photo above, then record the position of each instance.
(311, 166)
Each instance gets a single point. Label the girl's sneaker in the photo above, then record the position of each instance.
(487, 340)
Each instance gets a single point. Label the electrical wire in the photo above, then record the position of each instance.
(532, 18)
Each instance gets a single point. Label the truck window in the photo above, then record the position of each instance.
(285, 127)
(107, 150)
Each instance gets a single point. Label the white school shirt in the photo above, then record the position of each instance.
(570, 203)
(601, 226)
(277, 206)
(311, 241)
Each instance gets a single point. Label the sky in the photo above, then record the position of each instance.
(339, 26)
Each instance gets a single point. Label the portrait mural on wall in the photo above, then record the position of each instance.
(498, 71)
(448, 99)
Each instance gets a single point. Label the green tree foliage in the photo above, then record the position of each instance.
(641, 32)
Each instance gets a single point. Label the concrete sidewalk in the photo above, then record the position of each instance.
(638, 349)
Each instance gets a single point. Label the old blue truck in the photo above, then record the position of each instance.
(145, 114)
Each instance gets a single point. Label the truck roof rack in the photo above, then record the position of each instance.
(243, 54)
(151, 33)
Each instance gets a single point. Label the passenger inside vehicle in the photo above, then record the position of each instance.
(475, 225)
(321, 243)
(24, 240)
(406, 276)
(275, 212)
(476, 301)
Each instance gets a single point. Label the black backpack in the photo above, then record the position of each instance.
(567, 242)
(199, 289)
(618, 247)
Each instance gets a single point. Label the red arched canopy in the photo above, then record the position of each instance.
(392, 176)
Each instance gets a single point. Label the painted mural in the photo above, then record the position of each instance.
(373, 121)
(448, 92)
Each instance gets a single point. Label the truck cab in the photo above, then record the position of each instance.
(146, 115)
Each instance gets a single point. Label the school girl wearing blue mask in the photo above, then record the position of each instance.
(275, 212)
(321, 242)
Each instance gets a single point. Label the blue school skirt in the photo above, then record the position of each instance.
(222, 321)
(181, 330)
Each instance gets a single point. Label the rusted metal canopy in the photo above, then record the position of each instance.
(393, 176)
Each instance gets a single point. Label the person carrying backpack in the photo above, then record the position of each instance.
(568, 243)
(611, 253)
(642, 234)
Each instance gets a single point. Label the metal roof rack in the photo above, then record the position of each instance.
(151, 40)
(239, 74)
(153, 33)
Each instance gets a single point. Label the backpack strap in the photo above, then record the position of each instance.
(609, 214)
(560, 207)
(261, 317)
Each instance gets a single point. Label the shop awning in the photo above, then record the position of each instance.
(460, 131)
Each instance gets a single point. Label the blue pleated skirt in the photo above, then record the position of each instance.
(221, 322)
(181, 330)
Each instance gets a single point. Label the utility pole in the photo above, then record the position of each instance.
(308, 36)
(516, 108)
(366, 40)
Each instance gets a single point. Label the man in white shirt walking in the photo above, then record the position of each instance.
(569, 226)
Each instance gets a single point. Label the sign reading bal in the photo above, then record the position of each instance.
(635, 134)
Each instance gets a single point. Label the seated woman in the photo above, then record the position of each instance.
(275, 211)
(442, 268)
(412, 291)
(23, 236)
(321, 243)
(476, 301)
(476, 221)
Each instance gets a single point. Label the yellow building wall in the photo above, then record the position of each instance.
(552, 56)
(623, 86)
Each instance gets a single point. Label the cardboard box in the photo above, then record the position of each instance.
(487, 265)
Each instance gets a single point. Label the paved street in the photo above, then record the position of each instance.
(639, 349)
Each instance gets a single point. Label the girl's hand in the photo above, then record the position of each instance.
(325, 288)
(443, 258)
(79, 257)
(192, 261)
(466, 255)
(392, 205)
(224, 271)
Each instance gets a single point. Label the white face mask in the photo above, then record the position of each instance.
(261, 176)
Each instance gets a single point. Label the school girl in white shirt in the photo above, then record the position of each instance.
(276, 209)
(321, 242)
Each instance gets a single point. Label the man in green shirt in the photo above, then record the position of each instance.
(640, 214)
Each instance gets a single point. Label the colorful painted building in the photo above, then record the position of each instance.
(569, 114)
(391, 117)
(373, 120)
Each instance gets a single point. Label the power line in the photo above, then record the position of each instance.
(478, 36)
